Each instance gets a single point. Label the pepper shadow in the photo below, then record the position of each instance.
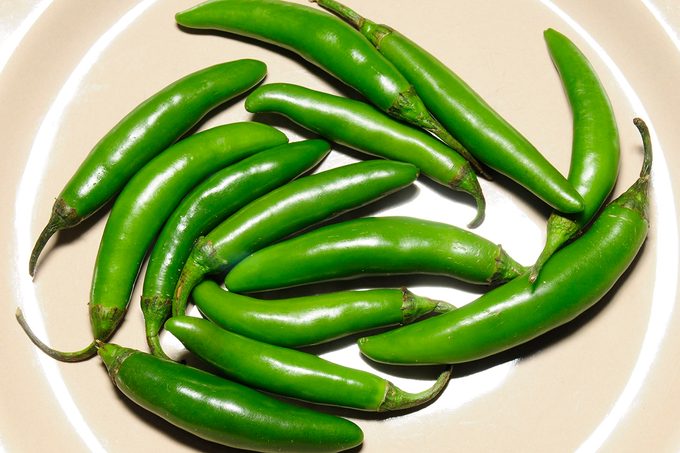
(387, 281)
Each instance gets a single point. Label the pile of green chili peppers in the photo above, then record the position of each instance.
(221, 205)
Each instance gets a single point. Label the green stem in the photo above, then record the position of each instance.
(156, 309)
(443, 307)
(466, 181)
(560, 230)
(434, 126)
(506, 268)
(414, 306)
(397, 399)
(191, 275)
(646, 170)
(63, 216)
(76, 356)
(344, 12)
(635, 198)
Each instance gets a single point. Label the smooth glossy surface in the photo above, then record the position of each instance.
(146, 131)
(222, 411)
(595, 148)
(309, 320)
(572, 281)
(327, 42)
(611, 384)
(373, 246)
(284, 211)
(467, 116)
(205, 207)
(150, 197)
(290, 372)
(360, 126)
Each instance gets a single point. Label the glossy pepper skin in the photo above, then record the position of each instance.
(595, 145)
(329, 43)
(294, 373)
(146, 131)
(572, 280)
(310, 320)
(374, 246)
(286, 210)
(204, 208)
(360, 126)
(470, 119)
(222, 411)
(142, 208)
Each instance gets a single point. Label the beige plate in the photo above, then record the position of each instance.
(69, 70)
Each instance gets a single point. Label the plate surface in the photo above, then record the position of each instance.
(70, 70)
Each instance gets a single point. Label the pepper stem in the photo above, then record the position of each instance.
(156, 309)
(76, 356)
(466, 181)
(63, 216)
(478, 195)
(344, 12)
(397, 399)
(646, 170)
(113, 356)
(415, 306)
(560, 230)
(635, 197)
(506, 268)
(191, 275)
(432, 125)
(443, 307)
(410, 108)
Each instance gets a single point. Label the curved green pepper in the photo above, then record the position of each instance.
(374, 246)
(204, 208)
(468, 117)
(572, 280)
(141, 210)
(595, 145)
(361, 127)
(294, 373)
(329, 43)
(146, 131)
(309, 320)
(286, 210)
(222, 411)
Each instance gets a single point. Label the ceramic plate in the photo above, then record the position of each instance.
(70, 70)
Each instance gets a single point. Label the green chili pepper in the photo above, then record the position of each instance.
(204, 208)
(141, 210)
(294, 373)
(286, 210)
(360, 126)
(571, 281)
(374, 246)
(222, 411)
(329, 43)
(146, 131)
(595, 144)
(310, 320)
(480, 129)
